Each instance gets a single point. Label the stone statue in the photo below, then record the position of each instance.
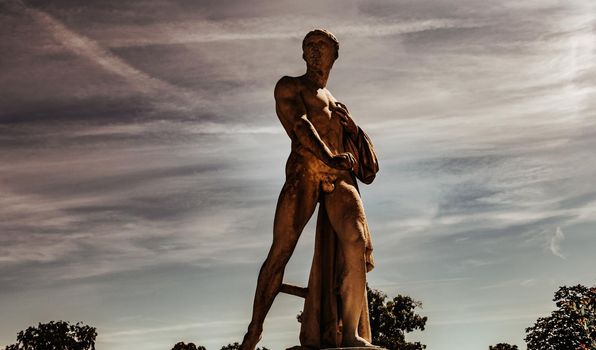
(328, 152)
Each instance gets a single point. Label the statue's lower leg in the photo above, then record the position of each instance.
(352, 295)
(252, 336)
(268, 285)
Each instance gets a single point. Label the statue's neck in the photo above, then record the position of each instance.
(317, 76)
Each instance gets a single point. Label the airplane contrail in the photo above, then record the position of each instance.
(89, 49)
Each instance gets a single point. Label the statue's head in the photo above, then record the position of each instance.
(320, 47)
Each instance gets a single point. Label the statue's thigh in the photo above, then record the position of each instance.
(346, 212)
(295, 206)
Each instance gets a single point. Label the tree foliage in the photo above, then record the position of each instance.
(58, 335)
(503, 346)
(391, 319)
(236, 346)
(571, 326)
(189, 346)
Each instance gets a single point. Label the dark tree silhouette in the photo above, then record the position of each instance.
(236, 346)
(58, 335)
(503, 346)
(189, 346)
(571, 326)
(390, 320)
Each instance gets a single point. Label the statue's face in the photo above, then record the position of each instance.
(319, 51)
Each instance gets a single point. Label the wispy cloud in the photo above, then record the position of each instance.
(206, 31)
(383, 284)
(91, 50)
(164, 168)
(502, 318)
(178, 327)
(512, 283)
(555, 243)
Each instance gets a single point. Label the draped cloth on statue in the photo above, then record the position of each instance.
(321, 317)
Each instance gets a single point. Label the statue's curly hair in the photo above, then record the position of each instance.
(326, 33)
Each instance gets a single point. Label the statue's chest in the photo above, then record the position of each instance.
(317, 109)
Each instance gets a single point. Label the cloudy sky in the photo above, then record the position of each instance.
(141, 159)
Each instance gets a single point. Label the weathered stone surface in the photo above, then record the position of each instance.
(329, 151)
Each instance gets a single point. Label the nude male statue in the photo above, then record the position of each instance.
(318, 169)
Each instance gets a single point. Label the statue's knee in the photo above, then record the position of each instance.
(275, 263)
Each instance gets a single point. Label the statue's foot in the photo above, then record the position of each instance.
(251, 338)
(357, 342)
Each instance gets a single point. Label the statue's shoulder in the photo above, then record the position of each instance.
(288, 86)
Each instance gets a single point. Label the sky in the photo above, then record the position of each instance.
(141, 160)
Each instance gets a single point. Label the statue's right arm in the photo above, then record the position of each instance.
(292, 114)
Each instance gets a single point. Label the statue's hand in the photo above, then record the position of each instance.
(345, 118)
(343, 161)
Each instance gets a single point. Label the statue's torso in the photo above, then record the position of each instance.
(317, 103)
